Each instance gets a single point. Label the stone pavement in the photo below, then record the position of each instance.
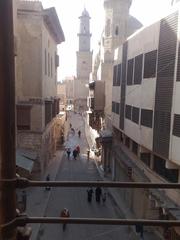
(148, 232)
(48, 203)
(37, 198)
(75, 199)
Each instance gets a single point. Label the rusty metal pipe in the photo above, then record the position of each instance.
(23, 183)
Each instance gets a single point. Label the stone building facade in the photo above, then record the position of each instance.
(61, 93)
(84, 63)
(69, 82)
(38, 32)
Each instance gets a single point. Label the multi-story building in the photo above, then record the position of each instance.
(38, 32)
(146, 117)
(118, 26)
(84, 63)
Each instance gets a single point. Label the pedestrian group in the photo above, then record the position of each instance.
(99, 195)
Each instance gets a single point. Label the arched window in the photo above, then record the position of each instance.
(108, 26)
(117, 31)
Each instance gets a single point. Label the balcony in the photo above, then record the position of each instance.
(97, 102)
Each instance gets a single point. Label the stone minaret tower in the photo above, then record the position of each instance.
(84, 62)
(115, 33)
(116, 19)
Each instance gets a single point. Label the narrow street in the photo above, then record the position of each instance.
(75, 199)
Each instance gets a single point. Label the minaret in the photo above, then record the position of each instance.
(84, 62)
(116, 19)
(84, 55)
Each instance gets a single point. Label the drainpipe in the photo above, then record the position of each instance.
(7, 118)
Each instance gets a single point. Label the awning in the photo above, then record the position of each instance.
(105, 136)
(25, 159)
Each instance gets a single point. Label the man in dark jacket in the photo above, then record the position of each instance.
(98, 193)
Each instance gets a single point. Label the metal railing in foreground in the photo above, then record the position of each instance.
(25, 183)
(22, 220)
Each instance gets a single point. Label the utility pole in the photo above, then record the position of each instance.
(7, 118)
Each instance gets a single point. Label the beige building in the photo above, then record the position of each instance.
(38, 31)
(61, 93)
(84, 63)
(69, 82)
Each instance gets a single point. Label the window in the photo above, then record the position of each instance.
(114, 75)
(130, 71)
(138, 69)
(150, 64)
(146, 117)
(107, 28)
(128, 112)
(48, 65)
(118, 80)
(117, 31)
(117, 108)
(45, 62)
(176, 125)
(127, 142)
(23, 117)
(135, 115)
(145, 157)
(160, 168)
(56, 60)
(134, 147)
(51, 67)
(48, 111)
(113, 107)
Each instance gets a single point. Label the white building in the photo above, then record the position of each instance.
(146, 115)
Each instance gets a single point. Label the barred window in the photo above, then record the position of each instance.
(23, 116)
(113, 107)
(146, 117)
(117, 107)
(128, 112)
(138, 69)
(130, 71)
(135, 115)
(150, 64)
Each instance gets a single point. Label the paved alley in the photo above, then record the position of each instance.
(75, 199)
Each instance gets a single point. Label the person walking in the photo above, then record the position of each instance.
(68, 153)
(88, 154)
(104, 197)
(24, 200)
(78, 150)
(64, 214)
(75, 154)
(48, 179)
(89, 194)
(79, 133)
(98, 193)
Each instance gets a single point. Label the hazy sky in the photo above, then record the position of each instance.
(68, 11)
